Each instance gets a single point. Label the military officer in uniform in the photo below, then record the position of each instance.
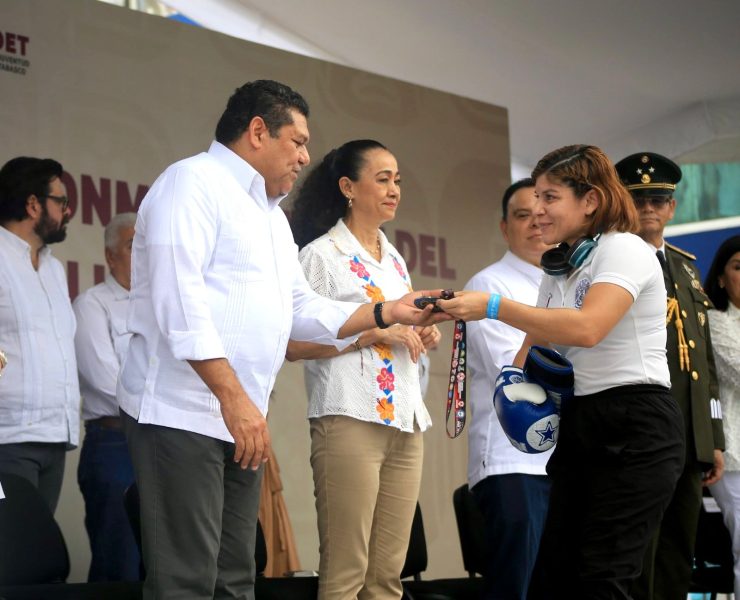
(651, 179)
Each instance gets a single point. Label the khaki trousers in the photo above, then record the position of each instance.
(366, 484)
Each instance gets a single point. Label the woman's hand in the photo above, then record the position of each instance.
(430, 336)
(404, 335)
(468, 306)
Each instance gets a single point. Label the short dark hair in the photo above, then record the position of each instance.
(264, 98)
(527, 182)
(22, 177)
(319, 204)
(717, 294)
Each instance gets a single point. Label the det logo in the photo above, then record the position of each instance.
(13, 49)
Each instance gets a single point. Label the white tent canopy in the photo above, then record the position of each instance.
(626, 75)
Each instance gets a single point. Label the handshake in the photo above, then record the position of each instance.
(528, 400)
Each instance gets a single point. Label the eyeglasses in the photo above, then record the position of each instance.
(656, 202)
(62, 200)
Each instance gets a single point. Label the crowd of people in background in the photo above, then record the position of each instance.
(210, 288)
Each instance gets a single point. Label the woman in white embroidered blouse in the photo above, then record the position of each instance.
(722, 285)
(365, 405)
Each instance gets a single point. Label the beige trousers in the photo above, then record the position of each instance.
(366, 484)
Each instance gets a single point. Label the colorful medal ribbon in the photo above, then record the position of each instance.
(456, 390)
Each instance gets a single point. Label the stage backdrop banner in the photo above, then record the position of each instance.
(116, 96)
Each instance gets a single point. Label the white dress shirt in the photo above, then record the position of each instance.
(39, 393)
(492, 345)
(725, 331)
(355, 384)
(634, 351)
(215, 274)
(101, 342)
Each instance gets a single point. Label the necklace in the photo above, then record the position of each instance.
(375, 252)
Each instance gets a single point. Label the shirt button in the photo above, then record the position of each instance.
(684, 314)
(706, 303)
(694, 375)
(692, 344)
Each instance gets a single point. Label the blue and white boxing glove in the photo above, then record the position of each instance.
(551, 370)
(528, 416)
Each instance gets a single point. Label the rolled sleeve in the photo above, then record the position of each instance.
(182, 227)
(318, 319)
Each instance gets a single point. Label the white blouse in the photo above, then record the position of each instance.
(725, 331)
(380, 383)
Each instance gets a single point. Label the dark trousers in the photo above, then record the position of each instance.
(669, 559)
(103, 474)
(198, 514)
(41, 463)
(514, 508)
(618, 458)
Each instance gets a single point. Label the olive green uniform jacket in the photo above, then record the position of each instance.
(695, 390)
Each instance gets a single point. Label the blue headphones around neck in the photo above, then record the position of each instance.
(561, 259)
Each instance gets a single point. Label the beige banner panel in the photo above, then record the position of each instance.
(117, 95)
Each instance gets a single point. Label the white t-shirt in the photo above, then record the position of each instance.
(634, 351)
(491, 345)
(377, 384)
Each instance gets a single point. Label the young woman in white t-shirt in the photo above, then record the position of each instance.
(621, 442)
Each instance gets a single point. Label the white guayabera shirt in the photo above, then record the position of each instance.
(101, 342)
(493, 344)
(215, 274)
(39, 393)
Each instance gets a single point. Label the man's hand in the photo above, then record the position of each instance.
(714, 474)
(249, 429)
(242, 418)
(404, 310)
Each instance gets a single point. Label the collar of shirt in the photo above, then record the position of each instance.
(119, 292)
(530, 271)
(733, 312)
(346, 242)
(20, 246)
(247, 176)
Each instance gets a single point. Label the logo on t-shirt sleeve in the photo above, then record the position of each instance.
(581, 289)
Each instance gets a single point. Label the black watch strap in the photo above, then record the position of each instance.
(378, 312)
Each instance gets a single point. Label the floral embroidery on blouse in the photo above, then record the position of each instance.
(384, 362)
(401, 272)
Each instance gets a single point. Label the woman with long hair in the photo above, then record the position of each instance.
(621, 443)
(365, 406)
(722, 285)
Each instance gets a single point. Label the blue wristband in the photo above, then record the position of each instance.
(493, 303)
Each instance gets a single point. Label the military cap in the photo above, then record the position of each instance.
(649, 174)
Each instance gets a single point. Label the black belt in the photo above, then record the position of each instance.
(106, 422)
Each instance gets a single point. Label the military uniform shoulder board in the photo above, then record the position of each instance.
(681, 252)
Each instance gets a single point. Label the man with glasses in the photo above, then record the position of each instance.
(39, 392)
(651, 179)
